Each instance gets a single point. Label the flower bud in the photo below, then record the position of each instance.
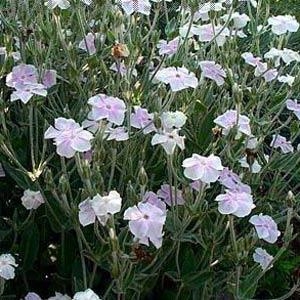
(142, 177)
(63, 184)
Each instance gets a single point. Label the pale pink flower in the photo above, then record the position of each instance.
(197, 185)
(141, 6)
(22, 74)
(232, 181)
(32, 296)
(207, 169)
(32, 199)
(88, 44)
(146, 223)
(106, 107)
(207, 32)
(250, 59)
(7, 266)
(167, 193)
(153, 199)
(235, 202)
(118, 134)
(213, 71)
(25, 92)
(69, 137)
(49, 78)
(265, 227)
(205, 8)
(122, 69)
(168, 48)
(262, 257)
(100, 207)
(142, 119)
(283, 24)
(270, 75)
(169, 139)
(294, 106)
(279, 141)
(229, 119)
(178, 78)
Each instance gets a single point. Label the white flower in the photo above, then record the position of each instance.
(255, 167)
(262, 257)
(239, 20)
(63, 4)
(171, 119)
(141, 6)
(287, 79)
(86, 295)
(32, 296)
(99, 207)
(168, 139)
(32, 199)
(7, 266)
(283, 24)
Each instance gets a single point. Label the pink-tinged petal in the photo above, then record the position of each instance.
(64, 149)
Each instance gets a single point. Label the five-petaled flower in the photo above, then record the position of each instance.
(69, 137)
(32, 199)
(146, 223)
(266, 228)
(262, 257)
(7, 266)
(207, 169)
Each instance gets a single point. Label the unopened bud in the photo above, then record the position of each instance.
(63, 184)
(142, 177)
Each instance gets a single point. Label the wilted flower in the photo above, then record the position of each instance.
(279, 141)
(262, 257)
(213, 71)
(62, 4)
(32, 199)
(107, 107)
(229, 119)
(88, 44)
(178, 78)
(142, 119)
(167, 193)
(86, 295)
(168, 138)
(100, 207)
(207, 169)
(130, 6)
(69, 137)
(283, 24)
(266, 228)
(119, 51)
(235, 202)
(146, 223)
(168, 48)
(7, 266)
(293, 106)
